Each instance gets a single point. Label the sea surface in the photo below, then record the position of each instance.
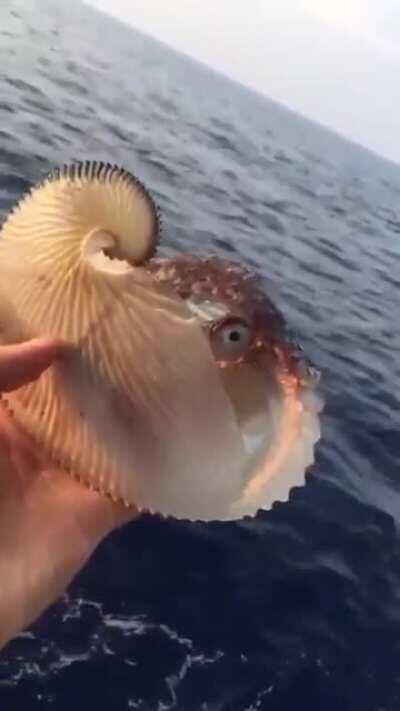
(298, 609)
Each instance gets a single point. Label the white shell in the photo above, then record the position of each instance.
(138, 409)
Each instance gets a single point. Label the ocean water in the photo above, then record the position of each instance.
(300, 607)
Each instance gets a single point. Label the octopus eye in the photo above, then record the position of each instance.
(230, 339)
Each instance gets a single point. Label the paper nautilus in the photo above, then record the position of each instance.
(181, 393)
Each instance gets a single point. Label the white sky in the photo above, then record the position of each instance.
(335, 61)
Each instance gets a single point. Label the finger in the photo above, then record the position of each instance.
(24, 362)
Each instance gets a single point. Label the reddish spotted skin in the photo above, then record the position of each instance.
(240, 291)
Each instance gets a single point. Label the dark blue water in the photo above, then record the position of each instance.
(299, 608)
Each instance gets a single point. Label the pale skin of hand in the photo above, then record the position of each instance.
(49, 523)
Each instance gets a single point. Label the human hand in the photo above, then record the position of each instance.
(49, 523)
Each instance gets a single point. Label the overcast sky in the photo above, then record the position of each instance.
(336, 61)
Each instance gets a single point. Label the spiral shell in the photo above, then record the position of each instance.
(138, 400)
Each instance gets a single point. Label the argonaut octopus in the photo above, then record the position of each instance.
(182, 392)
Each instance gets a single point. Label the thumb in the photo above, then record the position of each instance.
(24, 362)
